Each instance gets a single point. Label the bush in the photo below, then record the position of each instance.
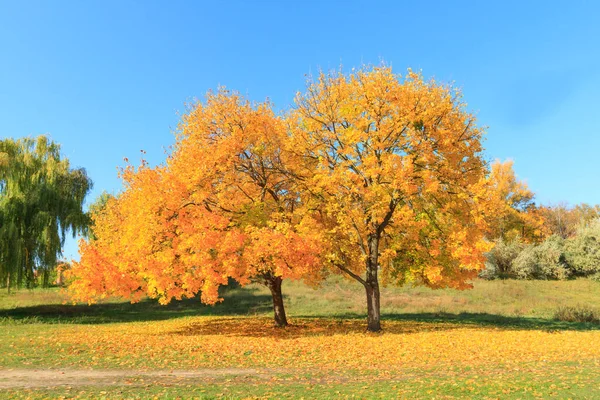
(544, 261)
(583, 250)
(500, 259)
(579, 313)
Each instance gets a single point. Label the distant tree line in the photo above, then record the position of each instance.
(540, 242)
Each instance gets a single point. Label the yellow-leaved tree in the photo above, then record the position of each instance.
(394, 165)
(222, 207)
(515, 214)
(232, 157)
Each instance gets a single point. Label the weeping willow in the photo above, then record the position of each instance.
(41, 202)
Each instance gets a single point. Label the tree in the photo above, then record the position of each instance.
(564, 221)
(395, 165)
(242, 174)
(41, 200)
(515, 215)
(97, 207)
(222, 207)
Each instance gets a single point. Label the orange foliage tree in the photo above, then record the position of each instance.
(395, 166)
(562, 220)
(223, 206)
(371, 175)
(514, 211)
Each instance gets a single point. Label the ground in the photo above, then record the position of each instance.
(498, 340)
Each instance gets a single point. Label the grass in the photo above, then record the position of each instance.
(335, 298)
(504, 386)
(580, 313)
(499, 340)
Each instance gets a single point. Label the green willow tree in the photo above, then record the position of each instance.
(41, 201)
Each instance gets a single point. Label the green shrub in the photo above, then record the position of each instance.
(499, 263)
(579, 313)
(544, 261)
(583, 250)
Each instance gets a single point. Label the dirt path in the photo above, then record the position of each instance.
(44, 378)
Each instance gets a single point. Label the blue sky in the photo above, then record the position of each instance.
(107, 79)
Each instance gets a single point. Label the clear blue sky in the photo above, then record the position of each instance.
(109, 78)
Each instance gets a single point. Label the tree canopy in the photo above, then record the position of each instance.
(41, 201)
(370, 174)
(396, 163)
(222, 207)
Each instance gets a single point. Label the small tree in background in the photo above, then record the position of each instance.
(564, 221)
(515, 215)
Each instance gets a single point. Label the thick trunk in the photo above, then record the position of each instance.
(274, 284)
(372, 286)
(373, 308)
(371, 283)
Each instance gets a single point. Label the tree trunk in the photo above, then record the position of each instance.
(8, 282)
(373, 308)
(46, 278)
(59, 277)
(372, 286)
(29, 273)
(274, 284)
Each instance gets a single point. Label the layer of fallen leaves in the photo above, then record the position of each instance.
(315, 345)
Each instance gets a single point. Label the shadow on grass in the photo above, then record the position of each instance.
(304, 326)
(247, 302)
(238, 302)
(488, 320)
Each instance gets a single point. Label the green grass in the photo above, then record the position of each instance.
(577, 383)
(502, 302)
(31, 319)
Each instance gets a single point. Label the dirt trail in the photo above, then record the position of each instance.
(43, 378)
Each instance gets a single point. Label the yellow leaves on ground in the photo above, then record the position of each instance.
(310, 345)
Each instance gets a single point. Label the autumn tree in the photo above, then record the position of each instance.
(515, 215)
(136, 243)
(240, 172)
(96, 207)
(562, 220)
(222, 207)
(41, 202)
(395, 166)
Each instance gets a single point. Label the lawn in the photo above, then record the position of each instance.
(498, 340)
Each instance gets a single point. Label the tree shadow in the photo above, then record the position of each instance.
(237, 302)
(247, 301)
(466, 319)
(305, 326)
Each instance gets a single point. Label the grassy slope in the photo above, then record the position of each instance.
(497, 340)
(335, 298)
